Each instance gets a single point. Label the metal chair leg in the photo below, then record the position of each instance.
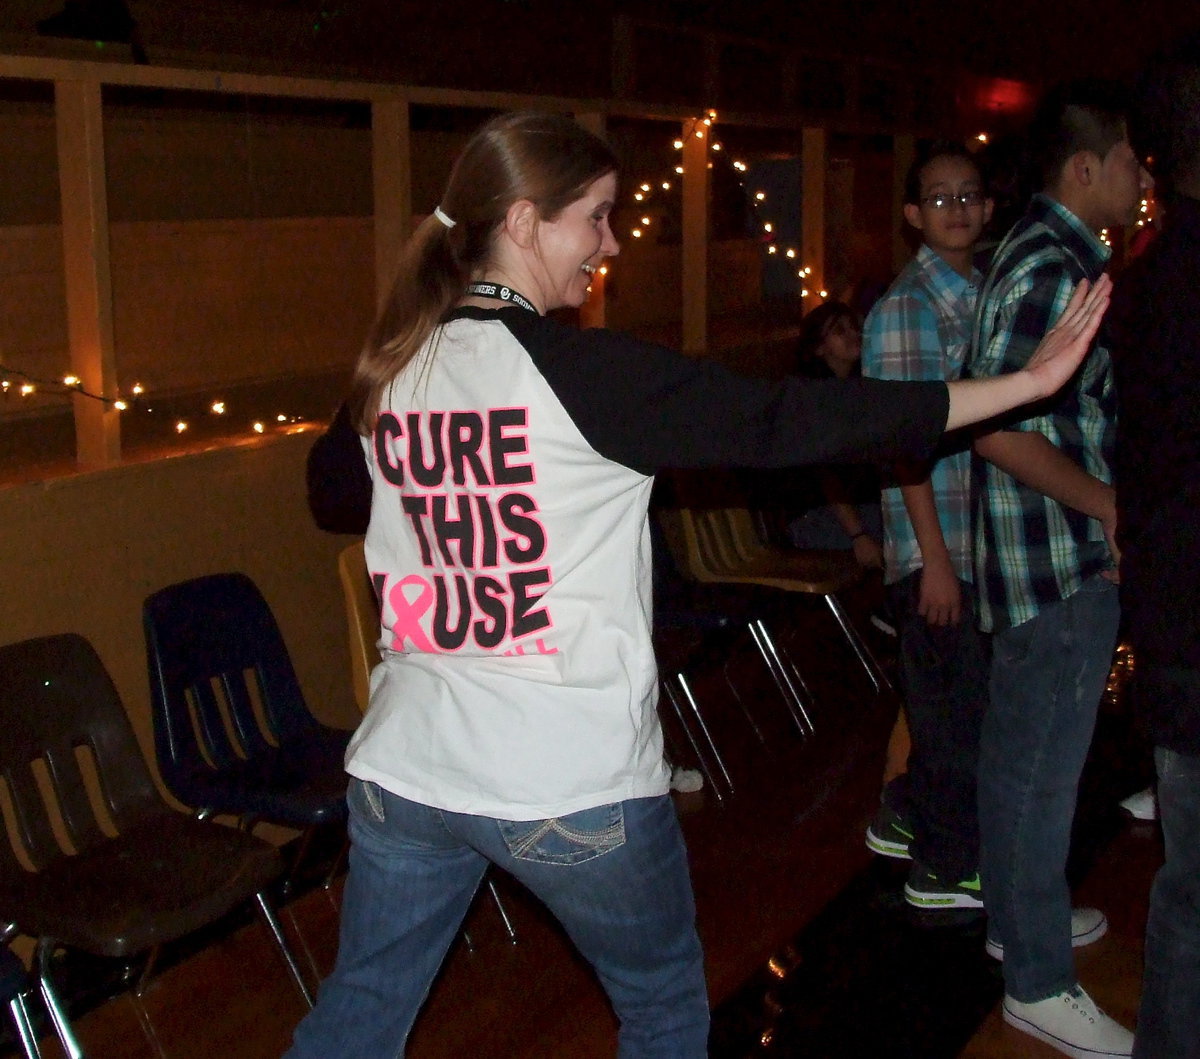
(24, 1028)
(268, 914)
(701, 757)
(869, 662)
(512, 934)
(681, 680)
(54, 1007)
(783, 680)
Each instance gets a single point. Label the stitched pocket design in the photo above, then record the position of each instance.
(572, 839)
(373, 797)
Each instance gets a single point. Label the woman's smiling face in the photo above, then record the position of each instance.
(572, 247)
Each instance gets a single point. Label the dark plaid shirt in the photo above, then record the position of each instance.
(1031, 550)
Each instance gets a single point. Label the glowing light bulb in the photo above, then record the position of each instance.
(791, 252)
(281, 418)
(638, 196)
(767, 227)
(259, 428)
(27, 388)
(70, 380)
(716, 146)
(679, 170)
(138, 389)
(218, 408)
(761, 196)
(982, 137)
(180, 427)
(666, 185)
(679, 145)
(824, 294)
(636, 233)
(645, 187)
(646, 221)
(772, 250)
(120, 405)
(803, 292)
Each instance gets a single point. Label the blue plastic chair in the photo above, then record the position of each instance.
(232, 731)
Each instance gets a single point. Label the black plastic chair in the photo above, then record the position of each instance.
(232, 730)
(129, 873)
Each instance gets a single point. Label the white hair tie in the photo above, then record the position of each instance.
(437, 212)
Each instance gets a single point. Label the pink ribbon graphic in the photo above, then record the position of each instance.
(407, 624)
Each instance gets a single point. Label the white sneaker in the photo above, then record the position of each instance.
(1071, 1023)
(1141, 806)
(1087, 925)
(686, 781)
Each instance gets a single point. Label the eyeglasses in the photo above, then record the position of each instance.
(944, 200)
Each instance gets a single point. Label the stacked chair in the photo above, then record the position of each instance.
(233, 733)
(93, 858)
(718, 543)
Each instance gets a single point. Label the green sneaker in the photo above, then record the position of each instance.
(926, 891)
(889, 834)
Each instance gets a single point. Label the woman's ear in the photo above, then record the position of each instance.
(520, 222)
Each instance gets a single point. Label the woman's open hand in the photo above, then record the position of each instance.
(1067, 342)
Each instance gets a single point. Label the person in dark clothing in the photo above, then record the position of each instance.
(1156, 354)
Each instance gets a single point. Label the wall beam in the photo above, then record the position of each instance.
(87, 269)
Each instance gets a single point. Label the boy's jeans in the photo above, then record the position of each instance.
(944, 677)
(616, 878)
(1047, 678)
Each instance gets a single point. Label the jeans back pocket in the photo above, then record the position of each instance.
(571, 839)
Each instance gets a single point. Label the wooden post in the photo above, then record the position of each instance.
(391, 171)
(593, 313)
(87, 269)
(695, 236)
(812, 214)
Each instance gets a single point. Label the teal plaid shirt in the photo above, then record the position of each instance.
(1029, 549)
(920, 330)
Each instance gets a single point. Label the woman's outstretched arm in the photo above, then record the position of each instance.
(1052, 364)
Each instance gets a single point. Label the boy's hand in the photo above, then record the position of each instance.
(940, 600)
(867, 552)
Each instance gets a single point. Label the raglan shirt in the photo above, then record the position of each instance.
(512, 463)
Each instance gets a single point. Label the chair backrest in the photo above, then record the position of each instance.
(222, 685)
(58, 707)
(362, 619)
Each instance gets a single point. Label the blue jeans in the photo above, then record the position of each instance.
(1047, 678)
(616, 877)
(1169, 1020)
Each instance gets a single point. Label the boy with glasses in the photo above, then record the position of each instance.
(920, 330)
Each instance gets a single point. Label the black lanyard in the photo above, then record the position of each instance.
(505, 294)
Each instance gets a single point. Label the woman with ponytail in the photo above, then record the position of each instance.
(512, 719)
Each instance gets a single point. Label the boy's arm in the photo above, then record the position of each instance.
(1035, 461)
(1022, 449)
(940, 601)
(903, 343)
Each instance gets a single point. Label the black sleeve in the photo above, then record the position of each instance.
(649, 408)
(339, 482)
